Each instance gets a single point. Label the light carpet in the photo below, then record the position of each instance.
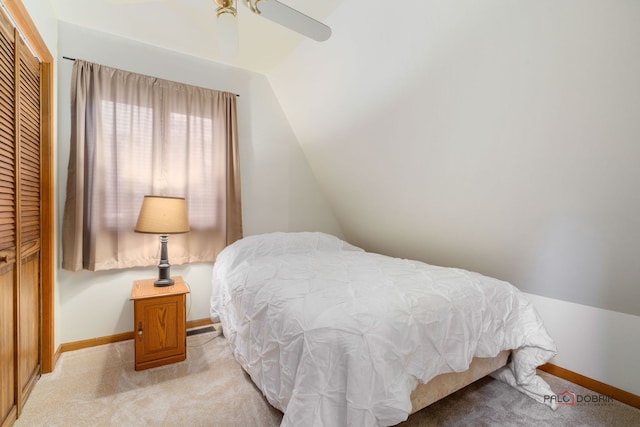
(98, 387)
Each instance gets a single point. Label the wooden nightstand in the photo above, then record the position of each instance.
(160, 324)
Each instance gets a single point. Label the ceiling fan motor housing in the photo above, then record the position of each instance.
(225, 6)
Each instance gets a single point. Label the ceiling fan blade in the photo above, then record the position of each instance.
(292, 19)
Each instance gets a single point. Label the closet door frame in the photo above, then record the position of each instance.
(21, 17)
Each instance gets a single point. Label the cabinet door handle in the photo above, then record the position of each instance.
(140, 330)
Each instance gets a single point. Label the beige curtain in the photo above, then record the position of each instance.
(134, 135)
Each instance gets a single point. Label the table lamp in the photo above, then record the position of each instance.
(164, 216)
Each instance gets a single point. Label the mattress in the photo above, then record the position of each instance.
(334, 335)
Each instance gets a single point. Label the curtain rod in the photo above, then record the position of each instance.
(73, 59)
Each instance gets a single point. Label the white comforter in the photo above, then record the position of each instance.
(334, 335)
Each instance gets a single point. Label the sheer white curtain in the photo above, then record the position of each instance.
(134, 135)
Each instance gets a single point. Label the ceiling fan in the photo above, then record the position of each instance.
(273, 10)
(279, 13)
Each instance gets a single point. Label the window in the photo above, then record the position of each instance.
(134, 135)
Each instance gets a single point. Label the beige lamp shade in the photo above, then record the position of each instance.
(163, 215)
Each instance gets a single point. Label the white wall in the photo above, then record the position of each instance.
(601, 344)
(278, 190)
(496, 136)
(44, 17)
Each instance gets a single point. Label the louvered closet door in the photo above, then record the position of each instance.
(8, 398)
(20, 221)
(28, 231)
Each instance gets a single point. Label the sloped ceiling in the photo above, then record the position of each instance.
(496, 136)
(189, 26)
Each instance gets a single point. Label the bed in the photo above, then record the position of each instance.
(333, 335)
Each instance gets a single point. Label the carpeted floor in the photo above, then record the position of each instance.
(98, 387)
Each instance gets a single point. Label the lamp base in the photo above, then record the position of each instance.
(163, 282)
(164, 277)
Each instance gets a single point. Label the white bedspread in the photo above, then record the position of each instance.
(334, 335)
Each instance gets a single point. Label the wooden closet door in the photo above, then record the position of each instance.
(8, 398)
(20, 222)
(28, 214)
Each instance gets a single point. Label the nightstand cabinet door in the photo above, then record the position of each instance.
(160, 333)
